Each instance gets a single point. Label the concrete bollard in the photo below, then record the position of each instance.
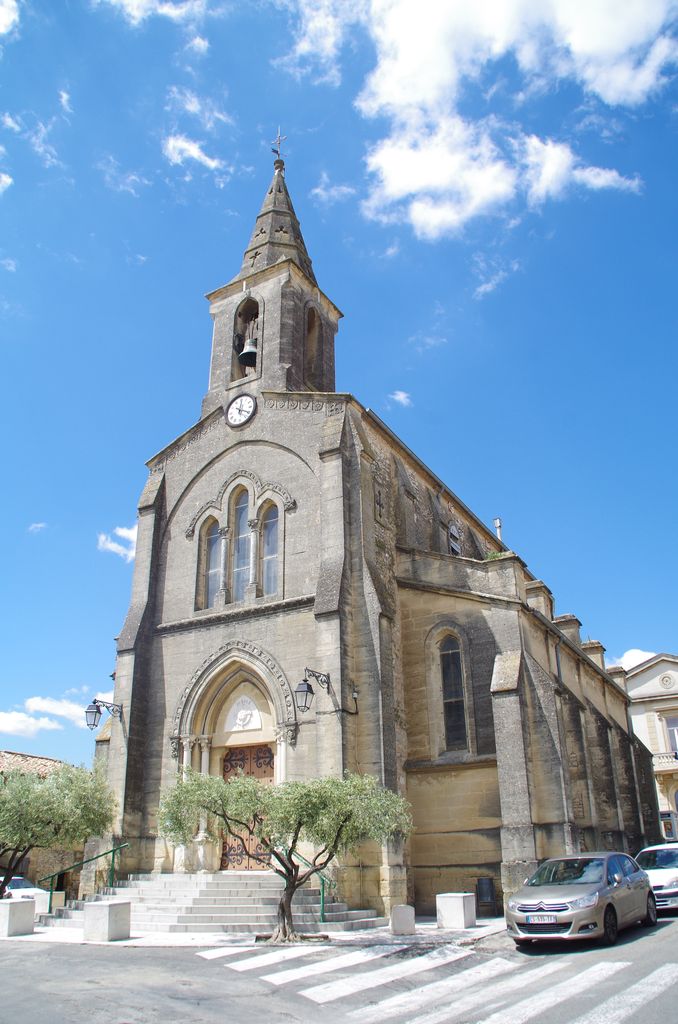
(402, 920)
(456, 909)
(107, 920)
(16, 917)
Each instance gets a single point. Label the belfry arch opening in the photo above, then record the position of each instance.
(246, 341)
(312, 350)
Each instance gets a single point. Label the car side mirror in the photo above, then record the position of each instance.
(617, 878)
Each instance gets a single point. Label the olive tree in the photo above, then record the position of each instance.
(62, 809)
(334, 815)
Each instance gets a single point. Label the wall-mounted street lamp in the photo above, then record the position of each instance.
(304, 692)
(93, 711)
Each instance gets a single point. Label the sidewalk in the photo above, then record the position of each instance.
(427, 933)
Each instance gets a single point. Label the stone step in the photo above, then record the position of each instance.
(231, 902)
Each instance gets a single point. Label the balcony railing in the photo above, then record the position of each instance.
(665, 762)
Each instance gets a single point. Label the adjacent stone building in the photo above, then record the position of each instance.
(652, 687)
(288, 529)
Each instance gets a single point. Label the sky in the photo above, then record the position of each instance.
(488, 193)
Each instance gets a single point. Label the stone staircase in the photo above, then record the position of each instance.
(233, 901)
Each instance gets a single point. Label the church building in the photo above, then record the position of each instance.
(310, 599)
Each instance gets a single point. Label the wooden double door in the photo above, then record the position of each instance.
(256, 761)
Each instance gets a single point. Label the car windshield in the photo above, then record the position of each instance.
(658, 859)
(20, 883)
(574, 871)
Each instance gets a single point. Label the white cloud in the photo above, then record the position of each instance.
(178, 148)
(18, 723)
(5, 182)
(437, 169)
(37, 527)
(198, 44)
(136, 11)
(138, 260)
(551, 167)
(207, 112)
(401, 397)
(9, 265)
(438, 176)
(106, 543)
(77, 691)
(65, 101)
(105, 695)
(69, 709)
(634, 656)
(327, 193)
(118, 180)
(423, 341)
(9, 16)
(10, 122)
(41, 147)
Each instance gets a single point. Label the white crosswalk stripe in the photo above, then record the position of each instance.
(336, 963)
(217, 954)
(269, 959)
(534, 1006)
(403, 969)
(622, 1006)
(482, 974)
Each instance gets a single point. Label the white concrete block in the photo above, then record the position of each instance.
(107, 920)
(42, 902)
(16, 917)
(456, 909)
(402, 920)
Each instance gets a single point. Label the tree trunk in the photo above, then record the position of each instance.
(284, 929)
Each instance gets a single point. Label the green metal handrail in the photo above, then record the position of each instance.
(323, 879)
(79, 864)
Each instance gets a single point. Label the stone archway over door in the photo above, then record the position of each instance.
(256, 761)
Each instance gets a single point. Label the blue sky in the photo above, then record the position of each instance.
(487, 191)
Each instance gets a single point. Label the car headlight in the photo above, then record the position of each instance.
(671, 883)
(585, 901)
(513, 904)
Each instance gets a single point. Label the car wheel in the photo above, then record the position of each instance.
(610, 927)
(650, 919)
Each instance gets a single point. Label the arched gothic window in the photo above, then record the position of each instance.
(269, 551)
(240, 560)
(454, 706)
(209, 565)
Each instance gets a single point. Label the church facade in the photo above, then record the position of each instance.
(289, 529)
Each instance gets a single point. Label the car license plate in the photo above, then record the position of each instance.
(541, 918)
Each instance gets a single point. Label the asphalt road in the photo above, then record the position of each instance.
(492, 983)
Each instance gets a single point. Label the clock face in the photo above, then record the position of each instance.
(241, 410)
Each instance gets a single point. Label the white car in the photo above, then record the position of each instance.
(661, 864)
(19, 888)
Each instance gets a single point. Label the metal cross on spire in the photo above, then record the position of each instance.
(277, 143)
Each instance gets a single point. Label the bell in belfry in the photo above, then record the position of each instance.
(248, 355)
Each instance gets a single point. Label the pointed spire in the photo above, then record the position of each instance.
(277, 235)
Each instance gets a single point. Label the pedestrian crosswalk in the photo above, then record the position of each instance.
(449, 984)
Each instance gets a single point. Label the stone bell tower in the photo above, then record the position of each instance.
(273, 327)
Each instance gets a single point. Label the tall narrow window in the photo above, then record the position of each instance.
(209, 565)
(453, 694)
(672, 730)
(212, 565)
(241, 548)
(269, 551)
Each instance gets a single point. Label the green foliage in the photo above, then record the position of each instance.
(332, 814)
(493, 555)
(64, 809)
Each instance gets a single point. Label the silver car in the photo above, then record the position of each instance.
(589, 895)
